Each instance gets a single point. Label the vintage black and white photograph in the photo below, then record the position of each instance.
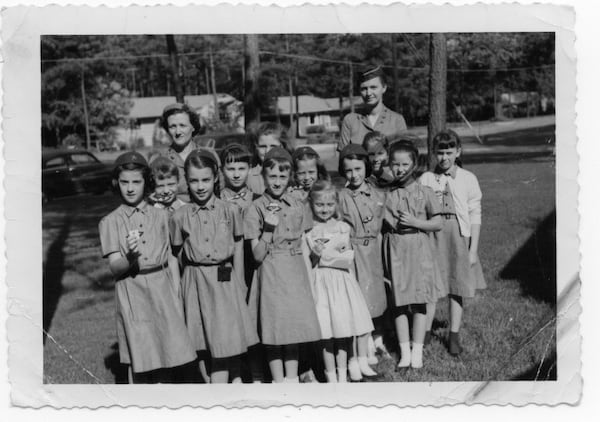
(370, 208)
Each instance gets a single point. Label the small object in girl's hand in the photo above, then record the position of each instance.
(135, 234)
(273, 207)
(323, 240)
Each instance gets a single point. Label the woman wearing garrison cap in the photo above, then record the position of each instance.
(374, 116)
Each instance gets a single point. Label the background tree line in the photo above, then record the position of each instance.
(97, 75)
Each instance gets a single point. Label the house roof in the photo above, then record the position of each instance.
(145, 107)
(308, 104)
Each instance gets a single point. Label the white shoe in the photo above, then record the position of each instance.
(365, 369)
(354, 370)
(405, 355)
(416, 356)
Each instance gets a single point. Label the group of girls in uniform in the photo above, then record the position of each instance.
(269, 262)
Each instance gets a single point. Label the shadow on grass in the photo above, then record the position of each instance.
(534, 265)
(54, 269)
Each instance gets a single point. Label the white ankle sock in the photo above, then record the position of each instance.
(354, 369)
(342, 374)
(331, 376)
(404, 355)
(293, 380)
(416, 357)
(365, 368)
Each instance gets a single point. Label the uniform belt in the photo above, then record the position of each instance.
(447, 216)
(188, 262)
(362, 240)
(290, 251)
(406, 231)
(144, 271)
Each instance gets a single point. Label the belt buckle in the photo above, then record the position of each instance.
(366, 242)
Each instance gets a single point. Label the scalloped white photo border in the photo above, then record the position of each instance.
(21, 31)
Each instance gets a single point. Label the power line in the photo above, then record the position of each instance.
(298, 57)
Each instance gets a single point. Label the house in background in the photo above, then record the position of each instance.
(312, 112)
(144, 116)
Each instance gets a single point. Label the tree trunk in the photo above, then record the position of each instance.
(437, 91)
(88, 142)
(351, 87)
(252, 73)
(176, 69)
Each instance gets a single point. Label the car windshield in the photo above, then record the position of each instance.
(83, 159)
(55, 162)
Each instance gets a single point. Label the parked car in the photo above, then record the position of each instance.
(73, 171)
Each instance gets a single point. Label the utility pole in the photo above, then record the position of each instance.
(290, 86)
(395, 73)
(351, 87)
(213, 85)
(437, 90)
(176, 68)
(88, 141)
(297, 117)
(252, 73)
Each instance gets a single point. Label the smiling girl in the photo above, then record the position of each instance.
(267, 136)
(275, 224)
(308, 168)
(341, 307)
(361, 206)
(151, 330)
(411, 211)
(209, 231)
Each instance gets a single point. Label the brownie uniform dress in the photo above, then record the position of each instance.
(243, 199)
(341, 307)
(460, 277)
(256, 182)
(150, 324)
(408, 252)
(363, 210)
(216, 313)
(286, 309)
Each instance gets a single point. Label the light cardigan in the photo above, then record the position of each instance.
(466, 194)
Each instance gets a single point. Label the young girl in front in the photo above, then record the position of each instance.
(267, 136)
(361, 206)
(308, 168)
(341, 307)
(151, 330)
(411, 211)
(275, 224)
(459, 197)
(209, 231)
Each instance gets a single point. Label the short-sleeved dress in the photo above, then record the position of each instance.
(341, 307)
(363, 210)
(256, 182)
(243, 199)
(216, 313)
(460, 277)
(285, 305)
(151, 329)
(408, 253)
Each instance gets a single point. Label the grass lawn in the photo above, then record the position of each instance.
(508, 331)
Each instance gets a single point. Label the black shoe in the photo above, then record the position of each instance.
(454, 347)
